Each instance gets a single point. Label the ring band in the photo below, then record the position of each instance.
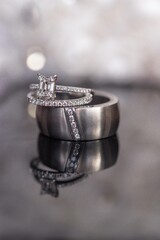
(70, 162)
(45, 92)
(78, 157)
(95, 121)
(68, 159)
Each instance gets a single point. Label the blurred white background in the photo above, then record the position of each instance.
(110, 40)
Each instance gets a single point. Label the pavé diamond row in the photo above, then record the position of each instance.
(64, 88)
(50, 175)
(49, 102)
(73, 123)
(72, 163)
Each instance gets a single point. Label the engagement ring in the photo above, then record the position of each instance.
(48, 94)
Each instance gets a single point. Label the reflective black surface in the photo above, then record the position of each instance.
(70, 162)
(120, 202)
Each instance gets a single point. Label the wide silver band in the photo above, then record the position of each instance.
(78, 157)
(98, 120)
(61, 163)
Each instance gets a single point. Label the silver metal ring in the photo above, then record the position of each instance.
(44, 94)
(51, 180)
(62, 163)
(98, 120)
(70, 157)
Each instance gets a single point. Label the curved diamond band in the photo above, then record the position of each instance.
(51, 180)
(44, 93)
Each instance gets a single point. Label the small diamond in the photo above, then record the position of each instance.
(71, 89)
(77, 136)
(51, 175)
(73, 159)
(71, 118)
(77, 146)
(68, 103)
(75, 152)
(71, 164)
(64, 103)
(70, 111)
(73, 124)
(46, 174)
(60, 104)
(55, 104)
(75, 130)
(40, 77)
(71, 103)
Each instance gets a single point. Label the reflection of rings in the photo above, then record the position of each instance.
(44, 94)
(62, 163)
(43, 174)
(96, 121)
(78, 157)
(51, 180)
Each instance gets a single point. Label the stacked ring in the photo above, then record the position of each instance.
(62, 163)
(63, 113)
(44, 93)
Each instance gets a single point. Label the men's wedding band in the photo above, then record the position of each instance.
(66, 159)
(97, 120)
(78, 157)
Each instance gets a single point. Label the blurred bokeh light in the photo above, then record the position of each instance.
(35, 61)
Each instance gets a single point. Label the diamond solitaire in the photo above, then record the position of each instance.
(44, 93)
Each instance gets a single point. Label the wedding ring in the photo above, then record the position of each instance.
(48, 94)
(70, 157)
(62, 163)
(50, 180)
(97, 120)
